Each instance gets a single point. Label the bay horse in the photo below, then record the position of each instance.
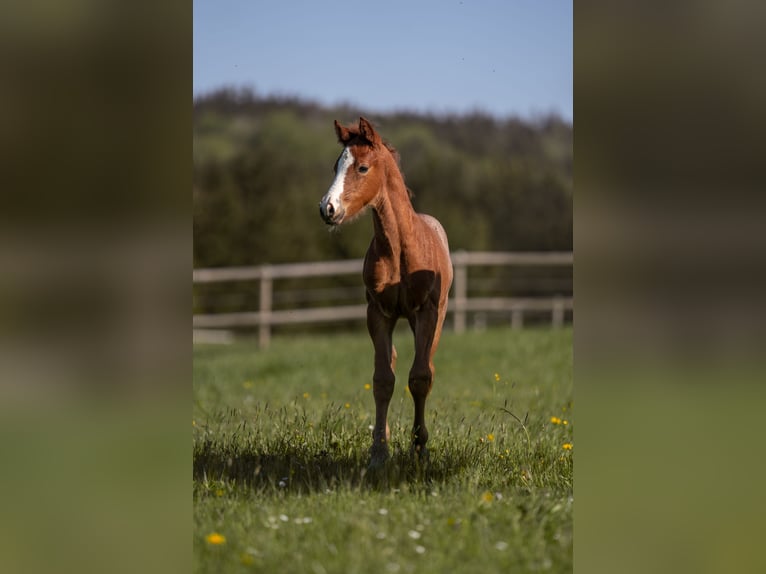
(407, 271)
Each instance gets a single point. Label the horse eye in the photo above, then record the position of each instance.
(363, 169)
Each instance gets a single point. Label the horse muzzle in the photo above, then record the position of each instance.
(330, 214)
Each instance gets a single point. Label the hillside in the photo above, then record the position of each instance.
(261, 164)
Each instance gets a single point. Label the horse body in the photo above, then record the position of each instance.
(407, 270)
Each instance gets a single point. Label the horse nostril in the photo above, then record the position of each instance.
(330, 210)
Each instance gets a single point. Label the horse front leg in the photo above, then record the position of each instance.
(381, 330)
(425, 324)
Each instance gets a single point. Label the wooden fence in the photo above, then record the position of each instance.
(214, 327)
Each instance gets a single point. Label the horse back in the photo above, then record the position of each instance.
(440, 246)
(438, 230)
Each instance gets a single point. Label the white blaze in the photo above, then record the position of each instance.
(332, 197)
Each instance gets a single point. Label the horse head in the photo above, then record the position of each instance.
(359, 173)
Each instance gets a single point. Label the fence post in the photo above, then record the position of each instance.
(461, 290)
(517, 318)
(264, 327)
(557, 316)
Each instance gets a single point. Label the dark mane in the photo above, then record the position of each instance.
(398, 160)
(394, 153)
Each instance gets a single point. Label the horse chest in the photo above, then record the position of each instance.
(397, 296)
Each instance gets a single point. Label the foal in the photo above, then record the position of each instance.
(407, 270)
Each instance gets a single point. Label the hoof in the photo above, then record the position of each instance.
(420, 452)
(378, 458)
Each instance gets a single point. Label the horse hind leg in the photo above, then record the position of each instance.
(393, 358)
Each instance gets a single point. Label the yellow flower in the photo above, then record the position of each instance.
(567, 446)
(526, 475)
(556, 420)
(215, 539)
(487, 497)
(194, 423)
(247, 559)
(347, 405)
(565, 422)
(497, 376)
(248, 384)
(219, 492)
(306, 395)
(490, 437)
(367, 386)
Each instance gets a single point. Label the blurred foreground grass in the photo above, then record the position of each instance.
(94, 487)
(670, 469)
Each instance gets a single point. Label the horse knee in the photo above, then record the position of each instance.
(420, 382)
(383, 385)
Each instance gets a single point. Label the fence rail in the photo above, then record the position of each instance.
(207, 327)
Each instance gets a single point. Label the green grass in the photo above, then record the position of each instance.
(280, 456)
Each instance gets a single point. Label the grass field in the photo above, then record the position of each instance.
(280, 455)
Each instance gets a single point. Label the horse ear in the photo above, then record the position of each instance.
(368, 132)
(342, 133)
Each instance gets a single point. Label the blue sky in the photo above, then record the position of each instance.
(508, 58)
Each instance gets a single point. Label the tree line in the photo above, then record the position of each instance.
(261, 165)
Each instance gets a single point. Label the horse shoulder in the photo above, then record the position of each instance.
(381, 285)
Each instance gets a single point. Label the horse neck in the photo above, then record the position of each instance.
(394, 217)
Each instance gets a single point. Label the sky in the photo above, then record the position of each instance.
(503, 57)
